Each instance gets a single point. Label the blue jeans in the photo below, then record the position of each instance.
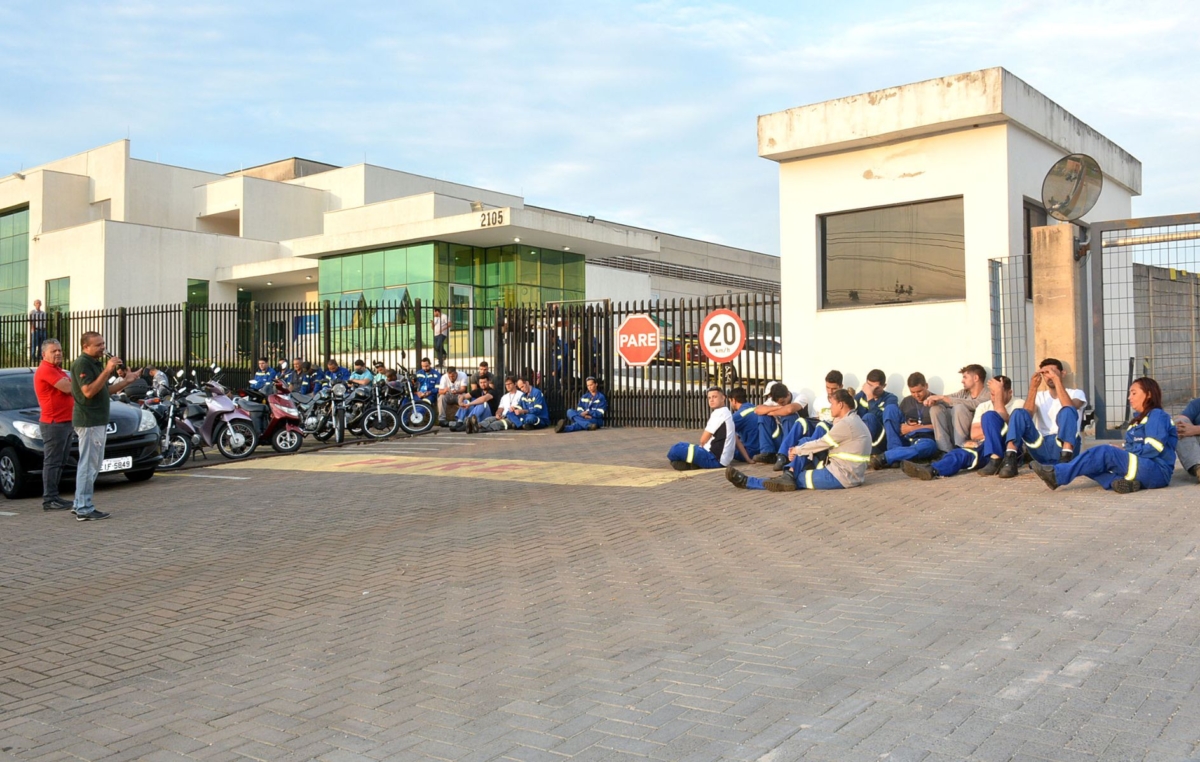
(35, 343)
(480, 412)
(439, 348)
(91, 455)
(694, 454)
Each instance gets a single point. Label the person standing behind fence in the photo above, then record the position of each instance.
(90, 388)
(53, 388)
(441, 332)
(37, 329)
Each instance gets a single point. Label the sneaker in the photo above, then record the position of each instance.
(558, 427)
(764, 457)
(1195, 472)
(1008, 469)
(780, 484)
(55, 504)
(592, 427)
(878, 462)
(918, 471)
(1066, 456)
(735, 477)
(94, 515)
(991, 468)
(781, 462)
(1125, 486)
(472, 424)
(1046, 474)
(681, 465)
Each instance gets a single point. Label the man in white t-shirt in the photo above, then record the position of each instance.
(449, 388)
(718, 442)
(985, 444)
(510, 400)
(441, 333)
(1047, 426)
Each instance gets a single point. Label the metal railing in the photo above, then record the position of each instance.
(1012, 317)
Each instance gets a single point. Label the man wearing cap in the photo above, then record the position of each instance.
(589, 414)
(776, 417)
(717, 442)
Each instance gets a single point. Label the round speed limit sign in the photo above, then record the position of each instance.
(722, 335)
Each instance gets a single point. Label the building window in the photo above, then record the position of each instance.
(1035, 217)
(14, 262)
(58, 296)
(894, 255)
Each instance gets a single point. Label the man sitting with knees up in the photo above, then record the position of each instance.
(870, 402)
(907, 428)
(717, 442)
(986, 444)
(1047, 427)
(954, 413)
(776, 417)
(846, 450)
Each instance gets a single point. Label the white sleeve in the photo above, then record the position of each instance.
(1077, 394)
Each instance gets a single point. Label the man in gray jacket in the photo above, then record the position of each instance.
(846, 451)
(953, 413)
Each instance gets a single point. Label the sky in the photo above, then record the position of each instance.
(638, 112)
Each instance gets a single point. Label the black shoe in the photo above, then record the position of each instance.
(764, 457)
(878, 463)
(442, 422)
(93, 516)
(1066, 456)
(1125, 486)
(681, 465)
(735, 477)
(1008, 469)
(918, 471)
(472, 424)
(781, 462)
(1195, 472)
(991, 468)
(780, 484)
(592, 427)
(55, 504)
(558, 427)
(1046, 474)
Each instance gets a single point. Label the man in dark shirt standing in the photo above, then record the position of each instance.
(53, 388)
(89, 386)
(37, 329)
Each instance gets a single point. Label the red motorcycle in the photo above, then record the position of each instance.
(275, 417)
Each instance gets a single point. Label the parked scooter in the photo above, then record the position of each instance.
(219, 421)
(275, 417)
(178, 436)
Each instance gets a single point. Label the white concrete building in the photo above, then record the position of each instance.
(893, 204)
(102, 229)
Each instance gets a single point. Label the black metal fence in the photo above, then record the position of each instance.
(1012, 317)
(558, 345)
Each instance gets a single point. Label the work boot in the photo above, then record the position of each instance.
(1195, 472)
(681, 465)
(781, 462)
(592, 427)
(1008, 469)
(1046, 474)
(878, 463)
(764, 457)
(1125, 486)
(472, 424)
(918, 471)
(991, 468)
(558, 427)
(735, 477)
(1066, 456)
(780, 484)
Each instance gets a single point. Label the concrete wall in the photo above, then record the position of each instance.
(279, 211)
(607, 282)
(162, 195)
(75, 253)
(383, 184)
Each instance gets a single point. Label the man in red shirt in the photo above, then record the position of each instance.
(52, 385)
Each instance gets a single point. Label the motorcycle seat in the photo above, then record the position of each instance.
(250, 406)
(301, 398)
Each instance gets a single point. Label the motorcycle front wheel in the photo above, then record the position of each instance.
(175, 451)
(417, 418)
(379, 424)
(237, 440)
(286, 440)
(339, 426)
(324, 429)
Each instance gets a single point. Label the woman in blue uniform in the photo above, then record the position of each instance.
(1147, 460)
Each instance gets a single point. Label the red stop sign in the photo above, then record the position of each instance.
(637, 339)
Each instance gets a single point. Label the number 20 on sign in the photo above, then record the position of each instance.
(722, 335)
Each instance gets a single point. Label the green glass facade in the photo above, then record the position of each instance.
(14, 262)
(58, 296)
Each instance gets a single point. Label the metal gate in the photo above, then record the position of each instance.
(1012, 317)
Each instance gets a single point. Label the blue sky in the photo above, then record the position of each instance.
(637, 112)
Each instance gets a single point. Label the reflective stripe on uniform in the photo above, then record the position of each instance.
(1131, 472)
(1004, 429)
(880, 438)
(1037, 444)
(974, 458)
(830, 440)
(691, 453)
(1157, 445)
(808, 479)
(851, 456)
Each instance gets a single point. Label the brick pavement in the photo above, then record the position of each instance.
(302, 614)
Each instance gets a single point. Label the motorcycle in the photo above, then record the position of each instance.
(368, 413)
(178, 436)
(217, 420)
(275, 417)
(416, 415)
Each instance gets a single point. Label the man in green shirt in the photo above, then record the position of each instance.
(91, 390)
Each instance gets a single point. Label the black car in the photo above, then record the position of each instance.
(132, 447)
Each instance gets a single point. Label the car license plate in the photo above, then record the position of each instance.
(117, 464)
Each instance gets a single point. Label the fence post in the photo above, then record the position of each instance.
(187, 338)
(326, 332)
(122, 335)
(255, 352)
(417, 346)
(498, 343)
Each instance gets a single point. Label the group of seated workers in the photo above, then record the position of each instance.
(981, 428)
(301, 377)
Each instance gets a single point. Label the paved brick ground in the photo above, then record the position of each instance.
(301, 614)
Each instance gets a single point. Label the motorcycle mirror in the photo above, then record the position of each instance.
(216, 369)
(179, 373)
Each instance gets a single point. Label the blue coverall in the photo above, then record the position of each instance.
(915, 444)
(537, 415)
(745, 420)
(968, 459)
(694, 454)
(871, 412)
(263, 379)
(595, 405)
(427, 384)
(1148, 456)
(1045, 449)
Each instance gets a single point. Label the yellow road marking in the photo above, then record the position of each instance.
(535, 472)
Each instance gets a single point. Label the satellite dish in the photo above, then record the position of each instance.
(1072, 187)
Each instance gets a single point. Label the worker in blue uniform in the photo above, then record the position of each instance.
(776, 417)
(589, 414)
(986, 443)
(333, 374)
(870, 402)
(1047, 426)
(294, 378)
(745, 423)
(531, 412)
(1147, 459)
(427, 378)
(263, 378)
(907, 427)
(718, 441)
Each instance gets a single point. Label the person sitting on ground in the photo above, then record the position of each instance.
(1147, 459)
(846, 450)
(137, 388)
(360, 376)
(427, 378)
(333, 374)
(808, 429)
(1047, 426)
(473, 404)
(480, 405)
(264, 378)
(498, 420)
(986, 445)
(1187, 427)
(718, 441)
(589, 414)
(782, 410)
(820, 408)
(484, 370)
(449, 388)
(294, 377)
(908, 431)
(309, 380)
(745, 422)
(954, 413)
(870, 402)
(531, 412)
